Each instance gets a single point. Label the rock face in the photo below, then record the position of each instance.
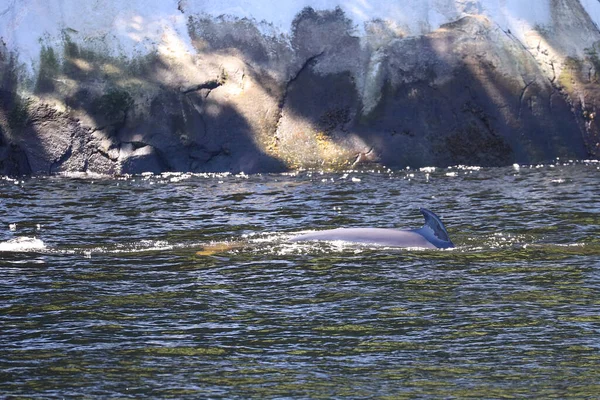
(182, 86)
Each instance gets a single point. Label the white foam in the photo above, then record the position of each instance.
(83, 175)
(22, 244)
(138, 247)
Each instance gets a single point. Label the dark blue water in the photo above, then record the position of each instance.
(185, 286)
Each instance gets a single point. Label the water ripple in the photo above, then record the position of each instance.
(186, 286)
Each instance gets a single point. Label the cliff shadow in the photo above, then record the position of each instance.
(14, 116)
(92, 112)
(158, 114)
(455, 96)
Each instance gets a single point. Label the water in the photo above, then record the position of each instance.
(185, 286)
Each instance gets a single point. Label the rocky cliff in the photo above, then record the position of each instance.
(186, 85)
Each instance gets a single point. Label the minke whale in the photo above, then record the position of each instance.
(432, 235)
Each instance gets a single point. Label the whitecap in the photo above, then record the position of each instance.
(22, 244)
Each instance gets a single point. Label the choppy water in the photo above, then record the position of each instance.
(108, 290)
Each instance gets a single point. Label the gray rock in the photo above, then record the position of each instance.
(140, 160)
(468, 93)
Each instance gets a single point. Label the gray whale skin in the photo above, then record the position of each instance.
(432, 235)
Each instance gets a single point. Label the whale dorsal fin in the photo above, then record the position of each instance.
(434, 223)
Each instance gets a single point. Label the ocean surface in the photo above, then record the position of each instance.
(186, 286)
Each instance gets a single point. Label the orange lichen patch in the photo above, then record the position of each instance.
(333, 154)
(570, 77)
(309, 149)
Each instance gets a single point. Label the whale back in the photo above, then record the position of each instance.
(434, 230)
(432, 235)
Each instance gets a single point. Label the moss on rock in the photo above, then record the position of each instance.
(113, 105)
(49, 69)
(19, 114)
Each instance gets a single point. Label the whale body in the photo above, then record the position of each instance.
(432, 235)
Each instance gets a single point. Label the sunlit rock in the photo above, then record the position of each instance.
(127, 87)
